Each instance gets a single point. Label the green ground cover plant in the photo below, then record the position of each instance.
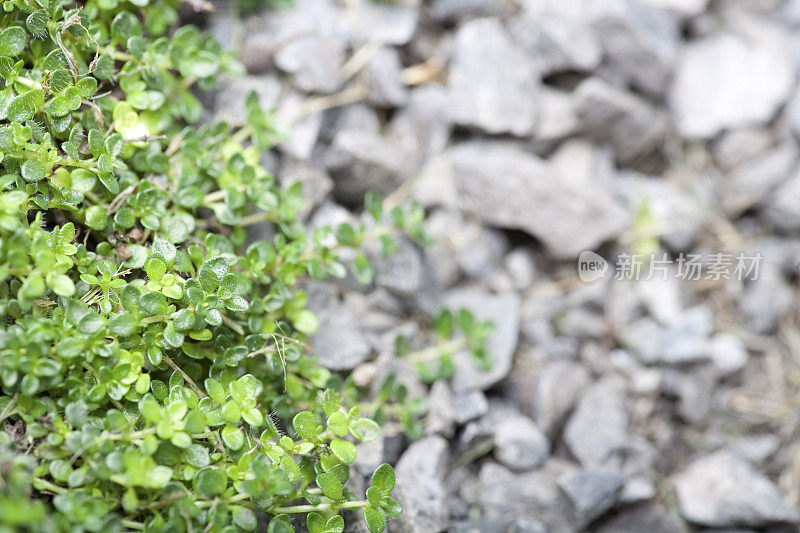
(155, 369)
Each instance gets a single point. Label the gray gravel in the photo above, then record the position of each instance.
(533, 132)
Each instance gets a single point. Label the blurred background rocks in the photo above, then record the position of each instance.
(532, 130)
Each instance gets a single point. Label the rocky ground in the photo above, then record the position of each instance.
(533, 130)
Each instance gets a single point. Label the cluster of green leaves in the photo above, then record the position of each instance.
(455, 331)
(151, 357)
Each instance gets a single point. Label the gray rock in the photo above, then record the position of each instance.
(401, 272)
(492, 84)
(316, 182)
(782, 209)
(452, 10)
(678, 214)
(449, 229)
(736, 146)
(592, 492)
(637, 489)
(304, 131)
(765, 299)
(684, 341)
(792, 111)
(420, 486)
(556, 35)
(421, 129)
(220, 24)
(384, 449)
(339, 343)
(752, 182)
(559, 388)
(469, 405)
(314, 61)
(441, 416)
(519, 264)
(504, 311)
(640, 43)
(258, 50)
(231, 95)
(723, 81)
(482, 254)
(383, 79)
(355, 117)
(596, 433)
(661, 296)
(694, 390)
(557, 117)
(609, 115)
(507, 498)
(434, 185)
(381, 23)
(723, 490)
(360, 161)
(728, 354)
(558, 204)
(528, 525)
(518, 443)
(756, 449)
(644, 517)
(685, 8)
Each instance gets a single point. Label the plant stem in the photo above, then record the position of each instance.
(436, 351)
(255, 218)
(49, 486)
(133, 525)
(320, 507)
(189, 380)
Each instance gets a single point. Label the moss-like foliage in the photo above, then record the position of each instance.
(154, 364)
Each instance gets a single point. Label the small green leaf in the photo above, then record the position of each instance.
(375, 519)
(330, 485)
(337, 423)
(244, 518)
(343, 450)
(362, 269)
(375, 496)
(315, 523)
(373, 203)
(155, 267)
(388, 245)
(391, 507)
(383, 479)
(13, 41)
(96, 217)
(211, 273)
(237, 303)
(345, 234)
(365, 429)
(173, 337)
(305, 321)
(24, 106)
(305, 424)
(233, 437)
(61, 284)
(33, 170)
(215, 390)
(209, 482)
(123, 324)
(280, 524)
(184, 319)
(335, 524)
